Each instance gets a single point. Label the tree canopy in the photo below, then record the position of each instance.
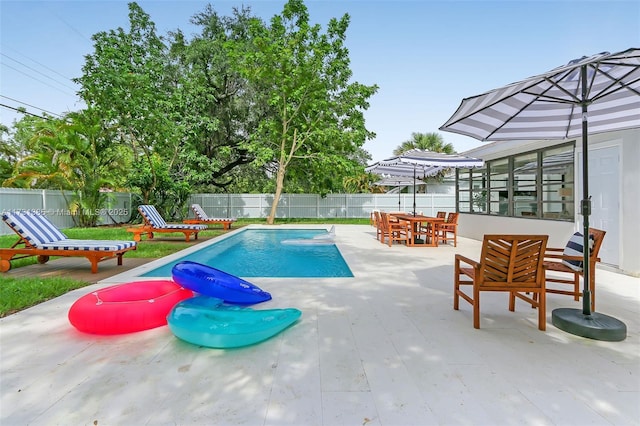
(242, 106)
(427, 141)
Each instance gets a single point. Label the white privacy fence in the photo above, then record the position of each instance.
(54, 205)
(314, 206)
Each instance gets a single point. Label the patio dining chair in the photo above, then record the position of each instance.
(398, 230)
(428, 230)
(377, 222)
(449, 229)
(509, 263)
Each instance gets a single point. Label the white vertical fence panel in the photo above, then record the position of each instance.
(55, 205)
(345, 206)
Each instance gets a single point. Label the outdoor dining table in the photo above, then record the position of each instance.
(416, 221)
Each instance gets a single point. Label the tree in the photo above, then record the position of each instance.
(364, 182)
(128, 81)
(9, 153)
(427, 141)
(315, 115)
(217, 116)
(73, 153)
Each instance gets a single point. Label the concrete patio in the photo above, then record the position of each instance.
(383, 348)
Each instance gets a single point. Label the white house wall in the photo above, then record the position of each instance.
(475, 226)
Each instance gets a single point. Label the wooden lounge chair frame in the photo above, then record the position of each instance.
(201, 218)
(153, 223)
(39, 237)
(510, 263)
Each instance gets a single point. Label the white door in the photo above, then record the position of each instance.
(604, 188)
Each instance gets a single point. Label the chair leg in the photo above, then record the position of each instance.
(542, 311)
(456, 290)
(476, 306)
(592, 285)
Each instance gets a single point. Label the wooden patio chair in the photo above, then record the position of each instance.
(399, 230)
(449, 229)
(567, 265)
(427, 230)
(377, 221)
(38, 236)
(510, 263)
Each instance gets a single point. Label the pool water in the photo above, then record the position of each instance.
(260, 253)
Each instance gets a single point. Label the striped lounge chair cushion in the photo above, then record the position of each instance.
(152, 216)
(33, 226)
(88, 245)
(574, 248)
(41, 233)
(200, 214)
(156, 221)
(183, 226)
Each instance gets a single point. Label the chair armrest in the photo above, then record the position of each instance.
(399, 224)
(561, 256)
(554, 249)
(567, 257)
(461, 258)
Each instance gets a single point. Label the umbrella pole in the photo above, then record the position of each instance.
(587, 324)
(414, 189)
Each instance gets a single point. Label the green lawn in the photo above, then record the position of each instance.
(20, 293)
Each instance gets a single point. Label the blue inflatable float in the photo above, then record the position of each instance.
(213, 282)
(206, 321)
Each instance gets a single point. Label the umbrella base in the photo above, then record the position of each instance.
(593, 326)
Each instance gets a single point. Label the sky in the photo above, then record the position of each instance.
(425, 56)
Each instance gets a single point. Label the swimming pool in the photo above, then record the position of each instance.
(260, 253)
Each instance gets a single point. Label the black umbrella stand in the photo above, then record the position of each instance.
(583, 322)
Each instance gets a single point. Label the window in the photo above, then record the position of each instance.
(537, 184)
(499, 187)
(557, 184)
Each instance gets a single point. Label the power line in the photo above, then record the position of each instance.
(36, 79)
(32, 106)
(35, 70)
(33, 60)
(21, 111)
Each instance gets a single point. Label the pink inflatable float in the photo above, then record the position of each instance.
(127, 308)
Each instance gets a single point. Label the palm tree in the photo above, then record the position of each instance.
(73, 153)
(428, 141)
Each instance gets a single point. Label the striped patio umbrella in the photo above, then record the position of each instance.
(398, 182)
(421, 163)
(595, 94)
